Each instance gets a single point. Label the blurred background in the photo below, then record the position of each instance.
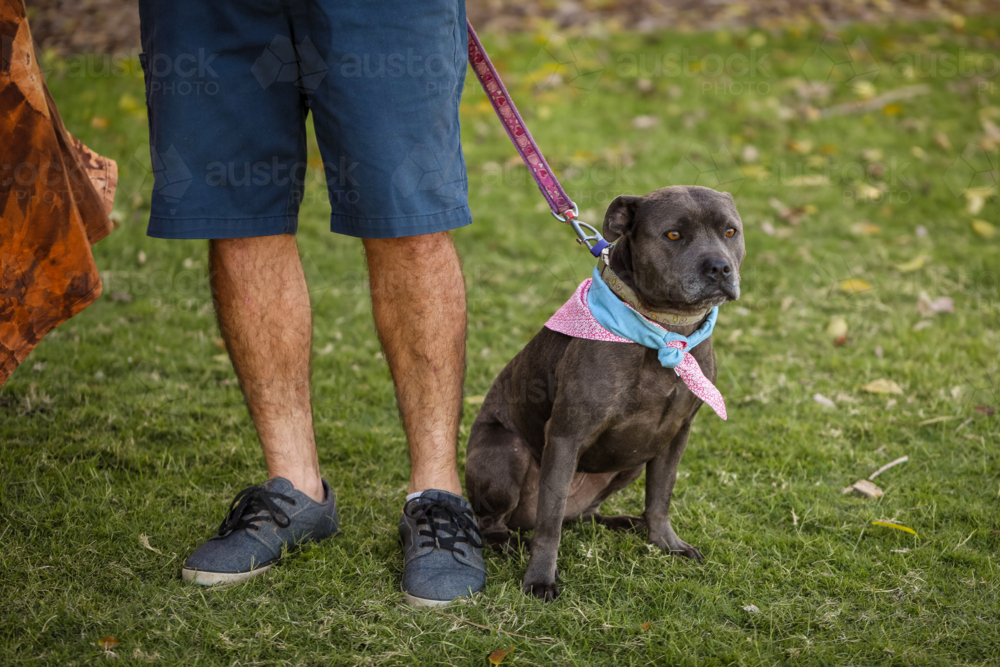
(112, 26)
(860, 140)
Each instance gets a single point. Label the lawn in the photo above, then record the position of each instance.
(124, 434)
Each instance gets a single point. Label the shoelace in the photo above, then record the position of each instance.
(244, 512)
(446, 521)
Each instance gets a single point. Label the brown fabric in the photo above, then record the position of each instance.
(55, 197)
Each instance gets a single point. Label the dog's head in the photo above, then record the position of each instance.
(679, 248)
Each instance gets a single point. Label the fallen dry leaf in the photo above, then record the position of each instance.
(914, 264)
(896, 526)
(855, 286)
(792, 215)
(865, 488)
(991, 129)
(866, 192)
(809, 180)
(108, 643)
(983, 228)
(935, 420)
(498, 655)
(891, 464)
(974, 202)
(837, 329)
(865, 228)
(801, 147)
(866, 91)
(144, 541)
(824, 401)
(928, 307)
(645, 122)
(646, 626)
(871, 154)
(882, 386)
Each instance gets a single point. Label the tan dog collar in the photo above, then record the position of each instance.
(625, 293)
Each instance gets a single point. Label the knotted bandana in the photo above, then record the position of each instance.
(595, 313)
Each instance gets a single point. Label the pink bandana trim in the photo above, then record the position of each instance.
(575, 319)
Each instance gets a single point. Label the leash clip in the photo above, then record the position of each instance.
(568, 213)
(594, 242)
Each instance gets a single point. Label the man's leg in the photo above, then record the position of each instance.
(263, 308)
(418, 300)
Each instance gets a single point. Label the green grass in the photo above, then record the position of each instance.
(133, 425)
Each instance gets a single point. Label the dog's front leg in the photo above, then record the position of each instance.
(559, 459)
(661, 473)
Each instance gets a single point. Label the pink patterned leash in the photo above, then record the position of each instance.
(562, 206)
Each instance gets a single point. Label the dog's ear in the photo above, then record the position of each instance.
(619, 216)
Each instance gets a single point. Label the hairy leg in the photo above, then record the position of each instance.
(262, 304)
(418, 300)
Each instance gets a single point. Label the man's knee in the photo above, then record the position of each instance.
(410, 248)
(246, 250)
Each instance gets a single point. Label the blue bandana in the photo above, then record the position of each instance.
(612, 314)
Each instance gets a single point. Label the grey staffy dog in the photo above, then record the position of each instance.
(570, 421)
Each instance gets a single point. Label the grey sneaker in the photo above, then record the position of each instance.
(442, 549)
(261, 520)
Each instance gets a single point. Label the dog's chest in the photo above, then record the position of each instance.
(646, 417)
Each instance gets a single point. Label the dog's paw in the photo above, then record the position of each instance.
(678, 547)
(624, 522)
(546, 591)
(686, 550)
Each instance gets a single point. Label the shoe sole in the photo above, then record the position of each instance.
(203, 578)
(414, 601)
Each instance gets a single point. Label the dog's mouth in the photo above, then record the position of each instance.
(716, 294)
(731, 290)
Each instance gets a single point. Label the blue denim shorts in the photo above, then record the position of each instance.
(229, 84)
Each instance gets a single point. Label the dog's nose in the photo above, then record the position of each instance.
(717, 269)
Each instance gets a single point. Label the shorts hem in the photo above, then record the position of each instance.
(391, 228)
(220, 228)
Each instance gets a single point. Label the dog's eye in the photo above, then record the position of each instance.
(673, 236)
(730, 233)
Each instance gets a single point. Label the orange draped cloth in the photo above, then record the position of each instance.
(55, 197)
